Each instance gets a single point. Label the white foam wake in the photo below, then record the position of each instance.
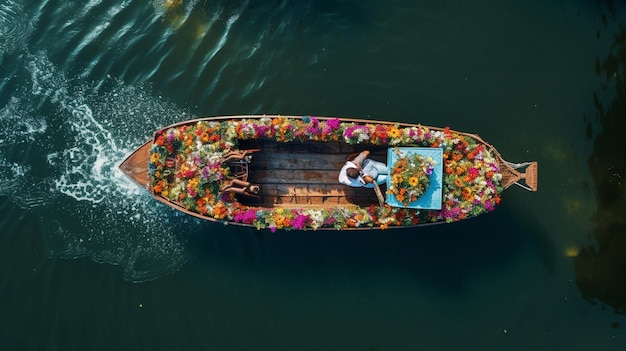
(98, 212)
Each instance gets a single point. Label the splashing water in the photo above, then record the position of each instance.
(95, 211)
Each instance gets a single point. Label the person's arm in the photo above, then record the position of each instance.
(360, 158)
(368, 179)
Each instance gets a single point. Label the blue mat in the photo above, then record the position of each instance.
(431, 199)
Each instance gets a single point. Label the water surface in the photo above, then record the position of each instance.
(89, 261)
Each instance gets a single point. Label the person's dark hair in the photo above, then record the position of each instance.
(352, 172)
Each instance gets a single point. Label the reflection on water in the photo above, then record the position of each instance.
(601, 268)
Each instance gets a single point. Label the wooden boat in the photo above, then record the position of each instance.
(295, 161)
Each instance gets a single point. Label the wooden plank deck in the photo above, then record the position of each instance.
(305, 174)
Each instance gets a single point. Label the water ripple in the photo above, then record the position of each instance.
(15, 27)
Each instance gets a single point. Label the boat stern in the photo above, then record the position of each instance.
(135, 166)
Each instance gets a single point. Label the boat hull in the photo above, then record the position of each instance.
(296, 162)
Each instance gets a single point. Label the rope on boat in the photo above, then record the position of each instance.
(518, 165)
(523, 186)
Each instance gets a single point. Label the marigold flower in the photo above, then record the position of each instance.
(394, 132)
(154, 158)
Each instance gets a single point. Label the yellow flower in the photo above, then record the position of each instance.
(155, 157)
(413, 181)
(397, 179)
(394, 132)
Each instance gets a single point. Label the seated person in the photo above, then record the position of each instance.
(361, 171)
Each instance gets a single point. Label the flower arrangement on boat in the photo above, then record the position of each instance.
(410, 177)
(185, 168)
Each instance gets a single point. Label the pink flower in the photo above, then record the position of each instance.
(300, 221)
(333, 124)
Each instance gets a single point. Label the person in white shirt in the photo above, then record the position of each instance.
(361, 171)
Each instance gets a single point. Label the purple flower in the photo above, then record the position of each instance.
(333, 124)
(314, 127)
(247, 217)
(263, 131)
(206, 172)
(225, 197)
(489, 206)
(300, 221)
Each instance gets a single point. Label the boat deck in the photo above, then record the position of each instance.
(305, 174)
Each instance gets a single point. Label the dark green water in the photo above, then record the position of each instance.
(89, 262)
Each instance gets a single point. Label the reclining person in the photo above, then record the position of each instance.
(360, 171)
(239, 155)
(241, 187)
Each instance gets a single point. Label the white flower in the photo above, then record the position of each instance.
(317, 217)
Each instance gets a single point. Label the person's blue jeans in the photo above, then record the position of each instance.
(377, 170)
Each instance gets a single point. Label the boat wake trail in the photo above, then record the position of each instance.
(91, 209)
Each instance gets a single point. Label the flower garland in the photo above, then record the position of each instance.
(185, 168)
(410, 177)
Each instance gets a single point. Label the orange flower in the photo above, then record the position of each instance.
(188, 140)
(467, 194)
(458, 182)
(158, 188)
(220, 210)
